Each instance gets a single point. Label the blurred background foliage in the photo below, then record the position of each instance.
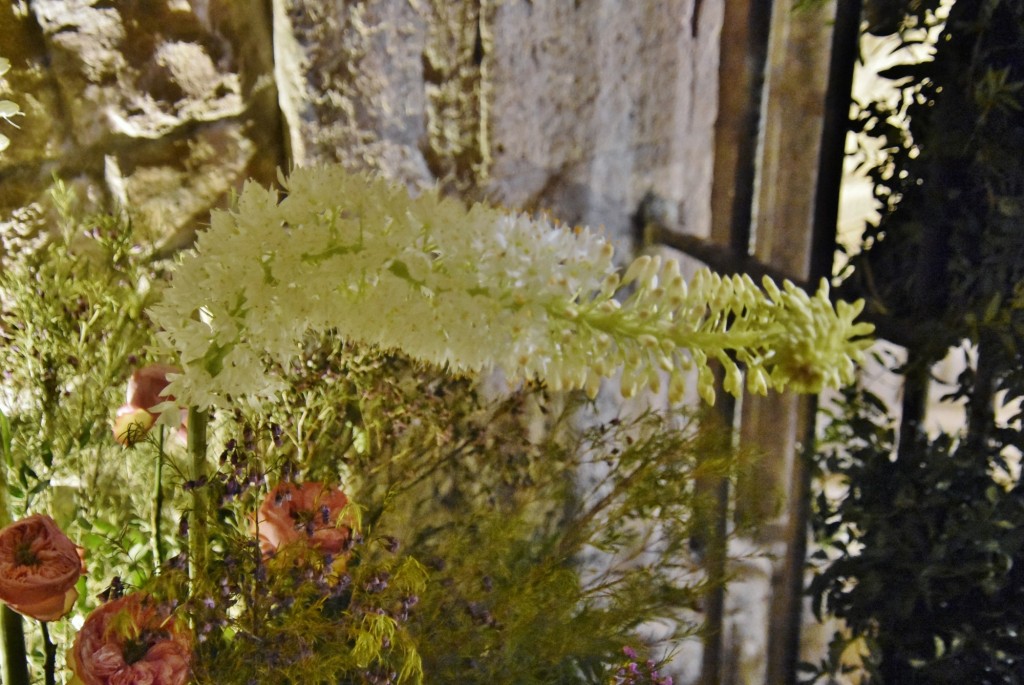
(920, 535)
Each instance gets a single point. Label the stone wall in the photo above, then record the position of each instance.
(573, 107)
(163, 106)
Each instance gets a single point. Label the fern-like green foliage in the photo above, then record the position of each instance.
(71, 330)
(534, 575)
(72, 327)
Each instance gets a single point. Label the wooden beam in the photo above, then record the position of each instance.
(725, 260)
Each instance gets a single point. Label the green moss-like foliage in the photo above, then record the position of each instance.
(544, 555)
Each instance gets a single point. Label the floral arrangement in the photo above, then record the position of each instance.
(350, 507)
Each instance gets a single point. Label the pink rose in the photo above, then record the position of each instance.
(39, 567)
(131, 641)
(309, 512)
(134, 418)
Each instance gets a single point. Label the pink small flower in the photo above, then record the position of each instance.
(131, 641)
(39, 567)
(135, 417)
(308, 512)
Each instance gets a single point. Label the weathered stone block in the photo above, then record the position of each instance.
(136, 69)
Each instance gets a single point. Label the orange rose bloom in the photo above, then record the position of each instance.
(131, 641)
(309, 512)
(39, 567)
(134, 418)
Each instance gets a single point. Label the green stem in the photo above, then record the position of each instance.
(710, 339)
(50, 656)
(158, 503)
(198, 532)
(15, 659)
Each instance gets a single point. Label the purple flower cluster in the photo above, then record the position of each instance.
(634, 673)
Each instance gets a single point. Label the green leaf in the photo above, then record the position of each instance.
(5, 440)
(105, 527)
(26, 472)
(401, 269)
(93, 541)
(213, 360)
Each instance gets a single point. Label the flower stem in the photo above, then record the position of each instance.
(198, 547)
(12, 632)
(50, 656)
(15, 659)
(158, 503)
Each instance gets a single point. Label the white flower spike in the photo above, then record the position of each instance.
(470, 290)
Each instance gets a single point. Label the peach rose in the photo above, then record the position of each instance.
(131, 641)
(39, 567)
(131, 424)
(134, 418)
(303, 512)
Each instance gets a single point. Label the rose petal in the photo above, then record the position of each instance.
(147, 384)
(50, 609)
(44, 588)
(131, 424)
(289, 512)
(98, 652)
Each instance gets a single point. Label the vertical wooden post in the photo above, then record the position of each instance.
(784, 640)
(714, 542)
(742, 56)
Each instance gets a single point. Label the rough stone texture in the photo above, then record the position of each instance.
(38, 141)
(576, 108)
(134, 69)
(162, 105)
(597, 103)
(33, 87)
(573, 108)
(351, 79)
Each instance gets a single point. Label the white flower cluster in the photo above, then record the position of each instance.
(8, 109)
(471, 290)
